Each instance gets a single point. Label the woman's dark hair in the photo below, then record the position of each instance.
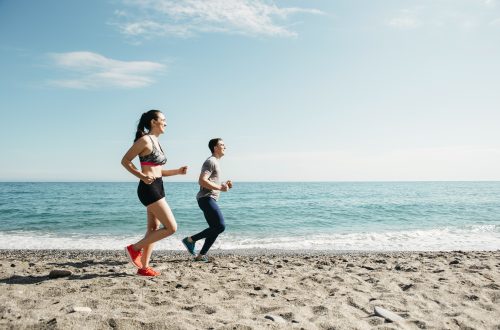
(212, 143)
(144, 125)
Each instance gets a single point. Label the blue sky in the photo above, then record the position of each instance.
(299, 90)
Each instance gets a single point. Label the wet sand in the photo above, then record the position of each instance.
(250, 290)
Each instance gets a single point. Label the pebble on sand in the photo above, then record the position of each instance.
(388, 315)
(274, 318)
(78, 309)
(57, 273)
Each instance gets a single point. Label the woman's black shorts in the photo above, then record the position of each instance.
(150, 193)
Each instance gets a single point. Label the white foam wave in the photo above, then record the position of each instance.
(485, 237)
(417, 240)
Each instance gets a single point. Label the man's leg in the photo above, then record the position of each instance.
(215, 221)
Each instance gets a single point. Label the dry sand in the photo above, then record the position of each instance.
(251, 290)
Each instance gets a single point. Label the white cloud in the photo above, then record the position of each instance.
(92, 70)
(406, 18)
(466, 14)
(495, 22)
(184, 18)
(404, 22)
(490, 3)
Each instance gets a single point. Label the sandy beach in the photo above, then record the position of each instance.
(251, 290)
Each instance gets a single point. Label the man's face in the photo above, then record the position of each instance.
(220, 148)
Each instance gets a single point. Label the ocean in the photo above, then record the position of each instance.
(333, 216)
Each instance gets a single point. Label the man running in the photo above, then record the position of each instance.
(210, 188)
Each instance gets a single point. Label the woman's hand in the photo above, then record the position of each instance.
(229, 184)
(148, 179)
(182, 170)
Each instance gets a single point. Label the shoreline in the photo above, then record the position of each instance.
(253, 252)
(251, 289)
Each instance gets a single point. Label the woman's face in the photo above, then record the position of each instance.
(160, 122)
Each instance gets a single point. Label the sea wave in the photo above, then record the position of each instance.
(469, 238)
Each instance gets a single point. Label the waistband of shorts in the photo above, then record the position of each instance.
(159, 179)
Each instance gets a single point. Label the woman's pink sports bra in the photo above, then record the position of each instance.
(155, 158)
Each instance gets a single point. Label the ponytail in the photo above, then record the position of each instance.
(144, 125)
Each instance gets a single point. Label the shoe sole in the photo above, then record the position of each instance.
(155, 273)
(130, 259)
(194, 252)
(148, 275)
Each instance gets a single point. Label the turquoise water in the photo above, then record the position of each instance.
(318, 216)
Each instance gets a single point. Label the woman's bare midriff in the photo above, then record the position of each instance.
(154, 171)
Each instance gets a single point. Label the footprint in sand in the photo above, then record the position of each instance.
(319, 310)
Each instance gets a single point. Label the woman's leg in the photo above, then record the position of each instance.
(153, 225)
(161, 212)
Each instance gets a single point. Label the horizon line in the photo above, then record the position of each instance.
(248, 181)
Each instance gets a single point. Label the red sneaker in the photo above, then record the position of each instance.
(134, 256)
(148, 271)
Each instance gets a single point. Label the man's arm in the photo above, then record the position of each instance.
(205, 183)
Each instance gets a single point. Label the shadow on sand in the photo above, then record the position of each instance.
(31, 279)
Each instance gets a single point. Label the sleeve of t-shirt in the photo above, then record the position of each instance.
(208, 167)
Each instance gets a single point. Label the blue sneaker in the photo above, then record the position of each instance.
(190, 247)
(201, 258)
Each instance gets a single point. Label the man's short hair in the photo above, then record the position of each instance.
(212, 143)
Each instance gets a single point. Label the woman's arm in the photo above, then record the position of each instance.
(133, 152)
(181, 170)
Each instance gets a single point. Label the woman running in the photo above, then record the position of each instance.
(150, 190)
